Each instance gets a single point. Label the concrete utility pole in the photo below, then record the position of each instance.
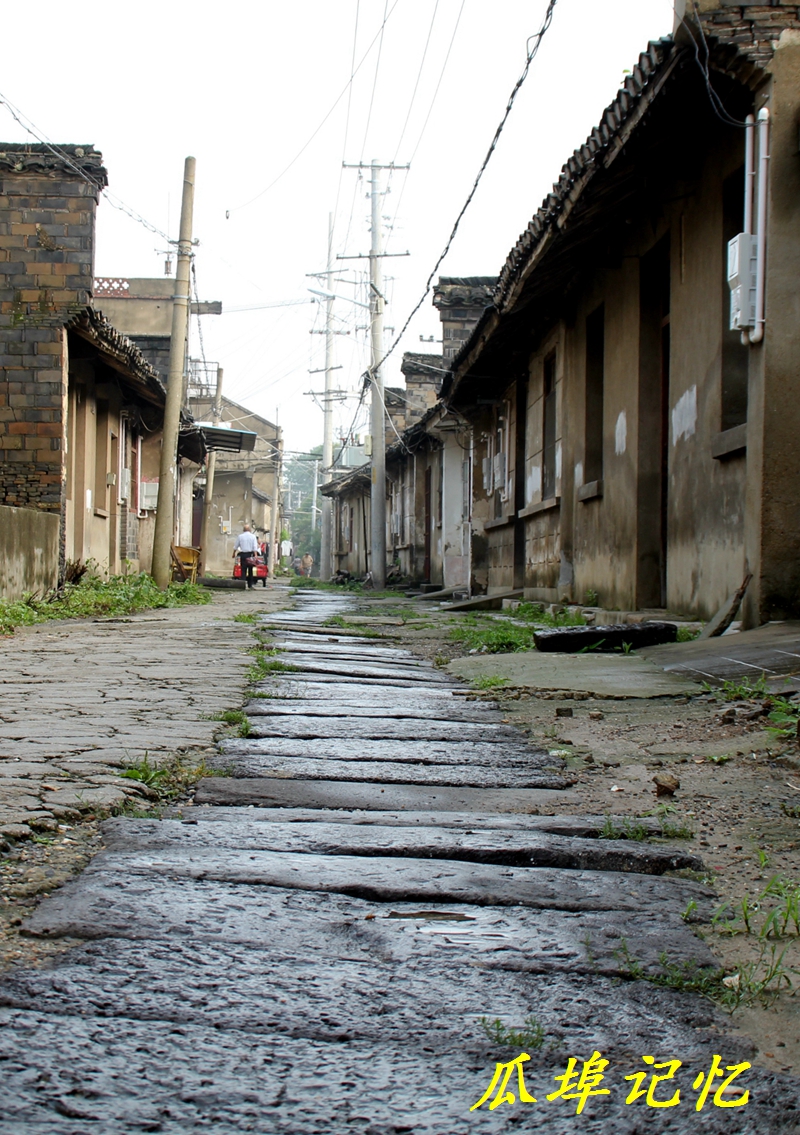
(377, 561)
(165, 515)
(275, 533)
(326, 539)
(377, 411)
(211, 465)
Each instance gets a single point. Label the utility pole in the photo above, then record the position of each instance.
(314, 498)
(326, 538)
(277, 461)
(377, 409)
(211, 465)
(165, 514)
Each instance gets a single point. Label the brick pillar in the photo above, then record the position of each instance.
(47, 218)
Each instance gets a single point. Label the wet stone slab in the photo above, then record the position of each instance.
(502, 754)
(264, 724)
(284, 792)
(385, 879)
(511, 848)
(391, 772)
(133, 1075)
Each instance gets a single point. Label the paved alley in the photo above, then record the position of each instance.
(320, 942)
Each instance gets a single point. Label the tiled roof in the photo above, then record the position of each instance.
(428, 365)
(464, 291)
(93, 326)
(21, 157)
(741, 39)
(585, 159)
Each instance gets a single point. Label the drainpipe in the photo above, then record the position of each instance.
(749, 187)
(757, 334)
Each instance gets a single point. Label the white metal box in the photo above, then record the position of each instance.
(742, 259)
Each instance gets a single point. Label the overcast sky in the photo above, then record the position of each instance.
(244, 86)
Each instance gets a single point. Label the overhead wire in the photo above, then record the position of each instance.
(347, 116)
(379, 34)
(531, 55)
(427, 120)
(717, 104)
(116, 202)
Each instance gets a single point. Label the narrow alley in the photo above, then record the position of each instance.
(378, 904)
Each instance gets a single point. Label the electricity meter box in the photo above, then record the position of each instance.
(742, 257)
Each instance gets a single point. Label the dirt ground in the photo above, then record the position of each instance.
(739, 797)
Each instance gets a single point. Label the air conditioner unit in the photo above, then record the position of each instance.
(742, 261)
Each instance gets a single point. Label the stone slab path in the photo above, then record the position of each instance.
(322, 964)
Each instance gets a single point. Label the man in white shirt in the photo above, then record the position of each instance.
(246, 548)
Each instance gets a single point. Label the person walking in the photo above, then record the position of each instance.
(246, 548)
(307, 563)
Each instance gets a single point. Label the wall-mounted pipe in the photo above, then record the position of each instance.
(749, 172)
(749, 186)
(757, 334)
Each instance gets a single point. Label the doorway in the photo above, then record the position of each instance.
(426, 567)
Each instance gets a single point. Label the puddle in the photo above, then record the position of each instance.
(437, 915)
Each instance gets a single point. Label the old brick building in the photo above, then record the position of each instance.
(80, 409)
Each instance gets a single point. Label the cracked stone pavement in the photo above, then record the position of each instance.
(79, 701)
(311, 946)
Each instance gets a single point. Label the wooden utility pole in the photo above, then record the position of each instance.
(165, 514)
(211, 466)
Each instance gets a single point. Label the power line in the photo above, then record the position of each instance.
(716, 102)
(427, 119)
(302, 150)
(416, 84)
(531, 55)
(349, 104)
(115, 202)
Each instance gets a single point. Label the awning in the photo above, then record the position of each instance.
(222, 437)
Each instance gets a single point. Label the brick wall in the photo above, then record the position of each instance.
(47, 217)
(752, 26)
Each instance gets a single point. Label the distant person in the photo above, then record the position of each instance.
(246, 548)
(307, 564)
(297, 565)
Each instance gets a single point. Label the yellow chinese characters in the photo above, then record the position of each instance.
(706, 1082)
(579, 1086)
(502, 1074)
(637, 1091)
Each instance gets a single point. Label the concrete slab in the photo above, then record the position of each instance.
(772, 650)
(385, 710)
(628, 676)
(505, 754)
(286, 793)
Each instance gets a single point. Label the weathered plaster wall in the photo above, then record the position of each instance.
(29, 540)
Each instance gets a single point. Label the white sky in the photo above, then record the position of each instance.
(243, 86)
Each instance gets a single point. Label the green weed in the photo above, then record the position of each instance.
(246, 617)
(530, 1035)
(687, 634)
(745, 690)
(145, 772)
(234, 717)
(625, 830)
(676, 831)
(489, 682)
(785, 718)
(591, 598)
(94, 596)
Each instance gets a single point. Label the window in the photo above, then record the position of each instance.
(101, 457)
(734, 355)
(549, 428)
(595, 375)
